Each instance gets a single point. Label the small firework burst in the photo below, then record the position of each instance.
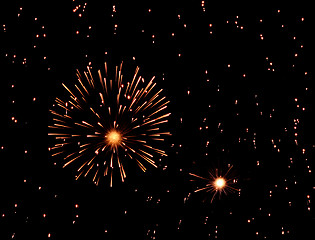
(105, 122)
(216, 183)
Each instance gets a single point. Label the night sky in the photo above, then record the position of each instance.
(240, 84)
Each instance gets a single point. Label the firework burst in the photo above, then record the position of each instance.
(216, 183)
(105, 123)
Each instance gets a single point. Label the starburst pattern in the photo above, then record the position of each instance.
(105, 122)
(216, 183)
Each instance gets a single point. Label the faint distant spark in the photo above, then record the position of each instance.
(105, 122)
(216, 183)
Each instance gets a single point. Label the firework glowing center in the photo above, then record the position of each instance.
(113, 138)
(219, 183)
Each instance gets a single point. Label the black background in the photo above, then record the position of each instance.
(103, 208)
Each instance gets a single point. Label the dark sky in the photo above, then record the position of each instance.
(240, 81)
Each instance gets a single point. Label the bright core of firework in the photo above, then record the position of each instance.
(113, 138)
(219, 183)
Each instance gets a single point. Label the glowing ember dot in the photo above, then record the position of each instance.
(219, 183)
(113, 137)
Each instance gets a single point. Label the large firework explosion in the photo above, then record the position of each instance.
(105, 122)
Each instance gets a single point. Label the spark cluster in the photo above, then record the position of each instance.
(216, 183)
